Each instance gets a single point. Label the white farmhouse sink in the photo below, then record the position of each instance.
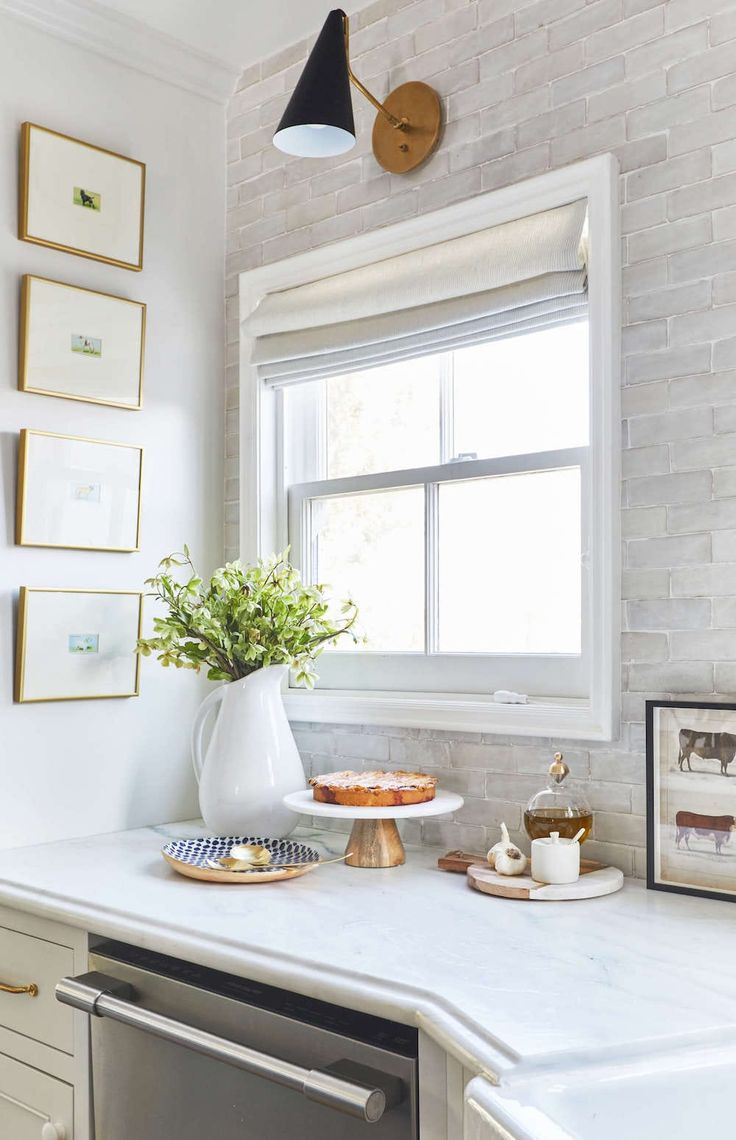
(680, 1096)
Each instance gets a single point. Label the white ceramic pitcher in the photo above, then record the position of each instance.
(251, 761)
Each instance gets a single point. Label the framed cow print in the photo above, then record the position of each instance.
(691, 798)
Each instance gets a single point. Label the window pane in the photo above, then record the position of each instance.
(370, 547)
(524, 394)
(383, 419)
(509, 564)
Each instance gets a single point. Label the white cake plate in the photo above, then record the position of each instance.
(374, 840)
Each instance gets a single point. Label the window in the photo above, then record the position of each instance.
(458, 486)
(444, 495)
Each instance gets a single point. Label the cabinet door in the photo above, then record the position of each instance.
(479, 1126)
(24, 959)
(479, 1118)
(30, 1100)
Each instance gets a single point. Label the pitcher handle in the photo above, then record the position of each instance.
(210, 701)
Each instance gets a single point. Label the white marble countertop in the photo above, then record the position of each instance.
(516, 990)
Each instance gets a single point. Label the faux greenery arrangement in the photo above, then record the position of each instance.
(245, 618)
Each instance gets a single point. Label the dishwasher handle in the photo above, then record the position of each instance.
(102, 996)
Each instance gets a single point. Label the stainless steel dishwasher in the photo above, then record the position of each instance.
(180, 1052)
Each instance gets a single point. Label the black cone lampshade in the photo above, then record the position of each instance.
(318, 120)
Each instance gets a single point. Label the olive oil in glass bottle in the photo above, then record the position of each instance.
(558, 807)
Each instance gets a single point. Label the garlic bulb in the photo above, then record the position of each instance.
(504, 841)
(505, 857)
(511, 861)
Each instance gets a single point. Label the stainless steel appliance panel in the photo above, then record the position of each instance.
(148, 1087)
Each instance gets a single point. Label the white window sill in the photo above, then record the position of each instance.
(576, 720)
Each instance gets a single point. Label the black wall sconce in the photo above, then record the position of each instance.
(318, 120)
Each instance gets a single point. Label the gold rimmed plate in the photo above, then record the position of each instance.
(193, 858)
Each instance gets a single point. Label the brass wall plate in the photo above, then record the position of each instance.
(400, 151)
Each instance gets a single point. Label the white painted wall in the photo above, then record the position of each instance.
(91, 766)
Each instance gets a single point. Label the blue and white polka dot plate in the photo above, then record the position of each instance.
(191, 857)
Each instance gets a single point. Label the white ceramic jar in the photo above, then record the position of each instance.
(555, 860)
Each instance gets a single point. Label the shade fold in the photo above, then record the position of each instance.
(499, 282)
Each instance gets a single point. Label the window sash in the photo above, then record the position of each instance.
(544, 674)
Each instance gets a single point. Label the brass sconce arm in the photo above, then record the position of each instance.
(399, 124)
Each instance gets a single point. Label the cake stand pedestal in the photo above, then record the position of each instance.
(374, 840)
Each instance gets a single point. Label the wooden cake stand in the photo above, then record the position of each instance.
(374, 840)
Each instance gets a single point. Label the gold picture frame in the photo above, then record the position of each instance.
(61, 227)
(92, 498)
(22, 689)
(32, 360)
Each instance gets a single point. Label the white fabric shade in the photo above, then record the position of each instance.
(496, 283)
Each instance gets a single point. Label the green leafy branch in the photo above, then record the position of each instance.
(245, 618)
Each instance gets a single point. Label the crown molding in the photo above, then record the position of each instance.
(129, 42)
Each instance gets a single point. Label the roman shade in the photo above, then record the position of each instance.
(526, 274)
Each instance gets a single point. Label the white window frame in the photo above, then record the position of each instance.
(449, 671)
(263, 500)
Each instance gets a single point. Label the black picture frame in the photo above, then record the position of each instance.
(652, 760)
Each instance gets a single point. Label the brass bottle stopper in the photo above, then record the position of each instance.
(558, 769)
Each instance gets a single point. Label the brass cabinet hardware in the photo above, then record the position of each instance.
(31, 989)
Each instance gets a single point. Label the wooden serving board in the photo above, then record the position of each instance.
(595, 879)
(459, 861)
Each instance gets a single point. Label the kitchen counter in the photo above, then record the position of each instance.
(515, 990)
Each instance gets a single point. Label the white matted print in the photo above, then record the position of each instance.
(691, 797)
(83, 494)
(77, 644)
(81, 344)
(82, 199)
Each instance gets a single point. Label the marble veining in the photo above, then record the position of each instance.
(511, 988)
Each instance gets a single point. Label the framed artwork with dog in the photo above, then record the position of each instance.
(691, 798)
(80, 198)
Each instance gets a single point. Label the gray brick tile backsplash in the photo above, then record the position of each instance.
(527, 86)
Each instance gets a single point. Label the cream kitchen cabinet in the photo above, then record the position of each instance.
(445, 1112)
(34, 1106)
(455, 1103)
(44, 1047)
(481, 1116)
(480, 1126)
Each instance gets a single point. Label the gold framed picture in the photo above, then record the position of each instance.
(80, 198)
(76, 645)
(78, 493)
(81, 344)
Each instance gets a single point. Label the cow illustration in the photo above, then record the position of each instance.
(720, 746)
(719, 828)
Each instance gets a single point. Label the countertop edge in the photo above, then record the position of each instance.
(462, 1038)
(459, 1036)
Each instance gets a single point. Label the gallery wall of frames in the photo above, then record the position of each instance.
(111, 419)
(79, 344)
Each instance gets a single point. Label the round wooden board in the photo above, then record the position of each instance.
(241, 878)
(603, 881)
